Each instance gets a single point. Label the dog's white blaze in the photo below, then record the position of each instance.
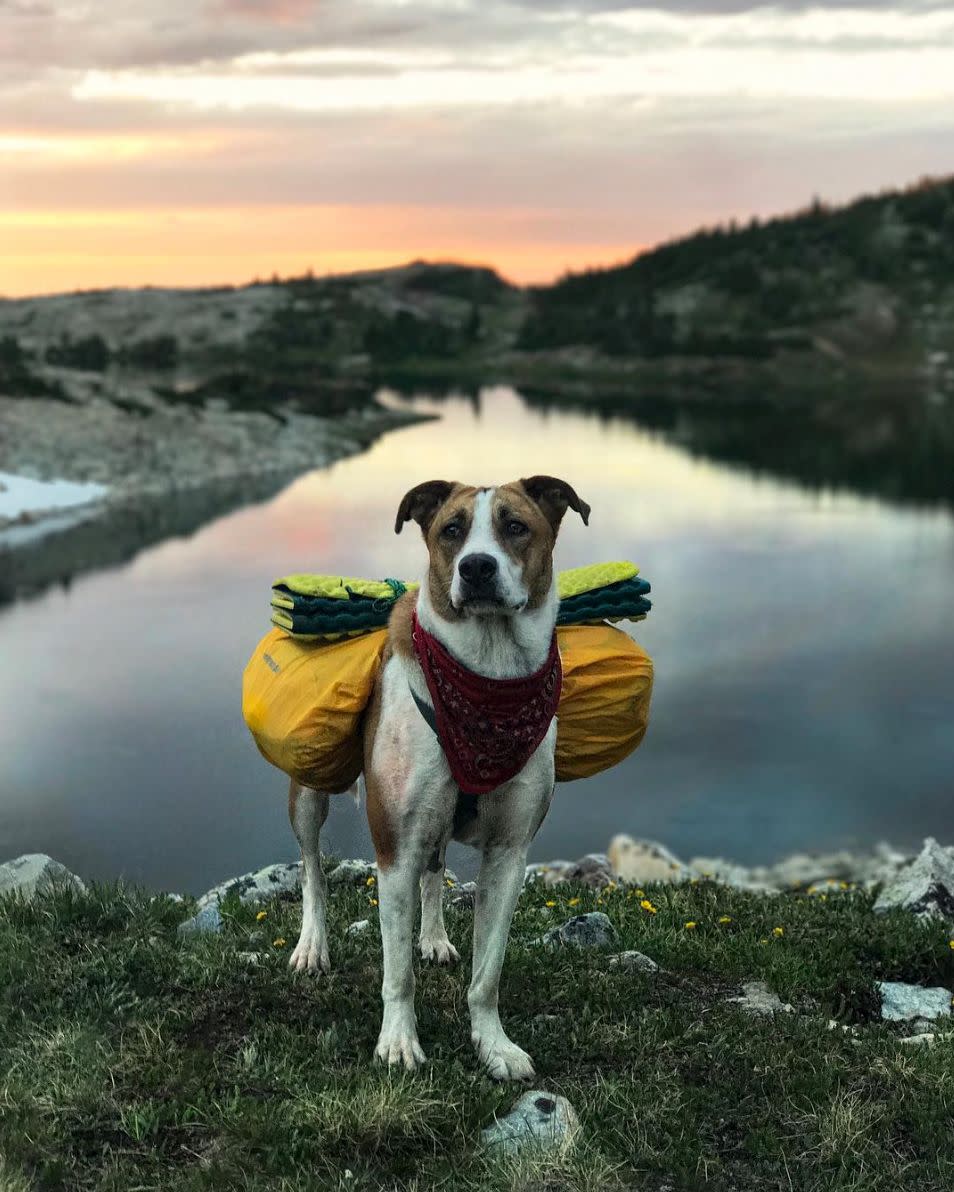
(481, 540)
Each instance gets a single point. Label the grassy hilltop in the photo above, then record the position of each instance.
(130, 1058)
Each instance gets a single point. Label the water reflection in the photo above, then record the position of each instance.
(804, 659)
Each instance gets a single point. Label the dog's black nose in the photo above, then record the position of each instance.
(477, 569)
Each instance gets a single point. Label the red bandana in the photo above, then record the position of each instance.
(488, 728)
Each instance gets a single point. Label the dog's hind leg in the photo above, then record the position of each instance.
(433, 941)
(308, 810)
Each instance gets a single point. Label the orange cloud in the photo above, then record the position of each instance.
(47, 251)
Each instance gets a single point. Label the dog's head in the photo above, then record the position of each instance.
(491, 549)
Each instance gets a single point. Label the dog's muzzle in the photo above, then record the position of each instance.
(479, 575)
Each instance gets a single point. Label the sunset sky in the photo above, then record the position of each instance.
(207, 141)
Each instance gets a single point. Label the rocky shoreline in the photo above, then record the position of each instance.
(163, 471)
(922, 884)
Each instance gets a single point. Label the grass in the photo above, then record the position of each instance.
(132, 1060)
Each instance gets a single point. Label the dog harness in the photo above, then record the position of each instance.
(488, 728)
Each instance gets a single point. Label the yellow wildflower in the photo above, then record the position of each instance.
(648, 906)
(370, 881)
(776, 931)
(691, 925)
(550, 903)
(640, 893)
(725, 918)
(573, 902)
(373, 901)
(260, 916)
(951, 945)
(449, 882)
(279, 943)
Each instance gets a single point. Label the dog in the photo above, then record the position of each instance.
(459, 744)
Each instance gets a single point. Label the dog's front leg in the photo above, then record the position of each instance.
(397, 894)
(499, 884)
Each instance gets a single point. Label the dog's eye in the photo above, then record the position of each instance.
(452, 530)
(516, 528)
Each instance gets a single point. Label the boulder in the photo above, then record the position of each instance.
(925, 887)
(593, 870)
(592, 930)
(901, 1002)
(539, 1120)
(36, 873)
(274, 881)
(640, 862)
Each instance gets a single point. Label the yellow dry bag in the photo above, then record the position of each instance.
(303, 702)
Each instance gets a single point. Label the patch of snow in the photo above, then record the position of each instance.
(21, 494)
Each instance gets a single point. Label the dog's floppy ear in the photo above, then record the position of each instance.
(555, 497)
(422, 502)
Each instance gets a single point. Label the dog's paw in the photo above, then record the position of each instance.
(311, 953)
(503, 1059)
(399, 1045)
(439, 949)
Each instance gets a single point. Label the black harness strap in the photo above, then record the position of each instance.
(426, 711)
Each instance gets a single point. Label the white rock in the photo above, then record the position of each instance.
(206, 921)
(641, 862)
(636, 962)
(757, 998)
(274, 881)
(925, 887)
(36, 873)
(539, 1120)
(359, 927)
(901, 1002)
(729, 873)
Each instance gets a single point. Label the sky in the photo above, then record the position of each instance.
(194, 142)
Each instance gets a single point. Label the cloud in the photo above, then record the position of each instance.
(580, 124)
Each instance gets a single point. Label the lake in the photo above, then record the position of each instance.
(803, 644)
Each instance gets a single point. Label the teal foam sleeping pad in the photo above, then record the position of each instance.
(317, 616)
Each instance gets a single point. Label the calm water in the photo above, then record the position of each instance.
(803, 645)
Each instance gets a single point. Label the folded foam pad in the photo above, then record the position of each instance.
(333, 607)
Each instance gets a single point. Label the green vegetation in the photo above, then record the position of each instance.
(17, 379)
(89, 354)
(325, 347)
(131, 1059)
(855, 273)
(155, 352)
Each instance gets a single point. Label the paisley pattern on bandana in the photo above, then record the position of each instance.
(488, 728)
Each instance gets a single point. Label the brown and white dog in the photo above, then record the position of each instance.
(489, 598)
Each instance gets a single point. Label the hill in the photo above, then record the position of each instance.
(869, 281)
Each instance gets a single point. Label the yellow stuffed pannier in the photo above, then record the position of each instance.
(604, 705)
(303, 702)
